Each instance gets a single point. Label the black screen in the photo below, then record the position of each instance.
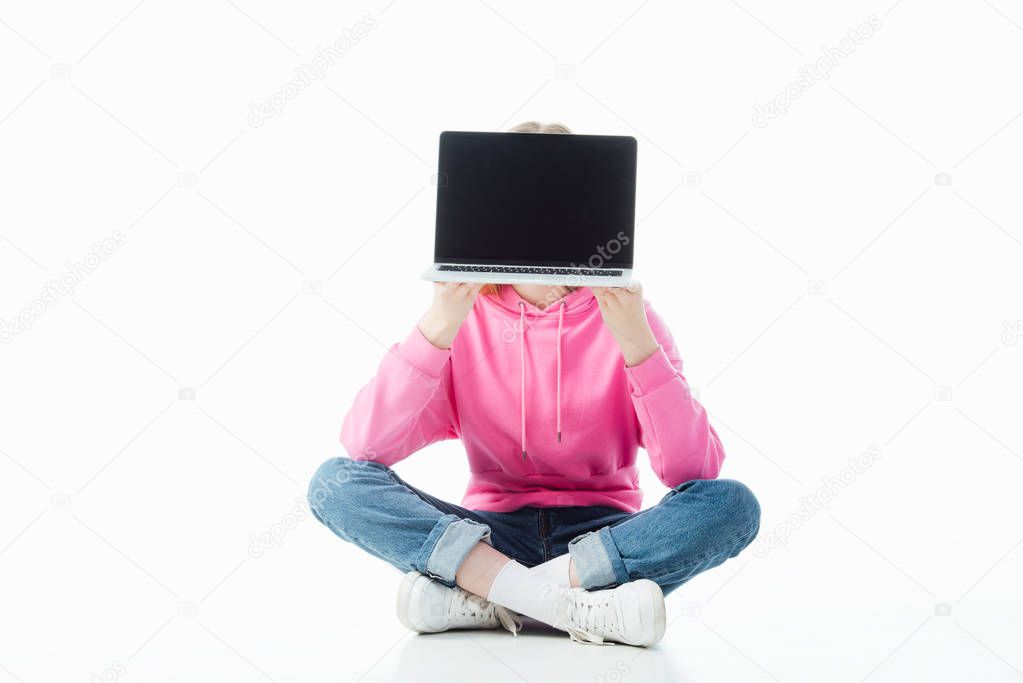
(536, 198)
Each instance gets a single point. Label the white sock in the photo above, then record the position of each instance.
(522, 591)
(555, 571)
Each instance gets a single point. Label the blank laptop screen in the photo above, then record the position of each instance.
(536, 199)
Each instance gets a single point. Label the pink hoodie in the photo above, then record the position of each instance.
(542, 400)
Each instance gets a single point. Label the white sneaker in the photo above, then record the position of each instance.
(632, 613)
(428, 606)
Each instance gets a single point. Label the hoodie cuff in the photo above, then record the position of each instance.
(651, 374)
(422, 355)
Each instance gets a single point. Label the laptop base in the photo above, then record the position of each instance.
(525, 275)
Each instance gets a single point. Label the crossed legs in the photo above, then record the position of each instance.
(695, 526)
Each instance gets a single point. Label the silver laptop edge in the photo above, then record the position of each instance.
(594, 278)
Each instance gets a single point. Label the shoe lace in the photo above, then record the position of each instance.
(509, 620)
(470, 605)
(586, 616)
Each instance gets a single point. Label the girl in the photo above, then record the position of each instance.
(551, 389)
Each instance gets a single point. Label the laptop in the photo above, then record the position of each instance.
(517, 208)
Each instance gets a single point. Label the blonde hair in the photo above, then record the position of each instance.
(529, 127)
(537, 127)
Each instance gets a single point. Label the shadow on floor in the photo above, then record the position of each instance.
(538, 653)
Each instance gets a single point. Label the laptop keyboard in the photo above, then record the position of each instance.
(532, 270)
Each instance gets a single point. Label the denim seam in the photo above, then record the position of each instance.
(614, 556)
(374, 463)
(431, 542)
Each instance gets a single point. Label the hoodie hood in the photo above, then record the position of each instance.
(578, 301)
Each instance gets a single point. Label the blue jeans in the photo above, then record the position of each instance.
(696, 526)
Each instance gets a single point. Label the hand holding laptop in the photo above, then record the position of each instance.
(622, 309)
(624, 313)
(452, 302)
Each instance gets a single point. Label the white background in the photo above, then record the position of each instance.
(830, 291)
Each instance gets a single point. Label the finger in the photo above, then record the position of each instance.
(617, 292)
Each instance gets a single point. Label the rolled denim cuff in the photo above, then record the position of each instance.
(598, 564)
(449, 542)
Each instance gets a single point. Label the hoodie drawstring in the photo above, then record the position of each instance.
(522, 373)
(561, 320)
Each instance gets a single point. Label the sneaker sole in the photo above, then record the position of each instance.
(651, 609)
(408, 584)
(405, 597)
